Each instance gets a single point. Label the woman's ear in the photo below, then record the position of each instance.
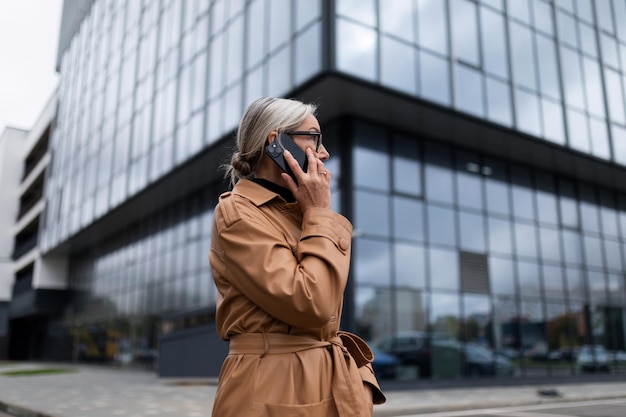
(272, 136)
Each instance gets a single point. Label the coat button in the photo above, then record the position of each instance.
(344, 244)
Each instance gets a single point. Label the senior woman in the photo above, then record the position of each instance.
(280, 259)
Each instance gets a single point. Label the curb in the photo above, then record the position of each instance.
(400, 411)
(19, 411)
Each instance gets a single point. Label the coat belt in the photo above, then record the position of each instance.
(349, 352)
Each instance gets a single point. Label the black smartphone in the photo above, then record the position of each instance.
(275, 151)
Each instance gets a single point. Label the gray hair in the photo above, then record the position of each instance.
(263, 116)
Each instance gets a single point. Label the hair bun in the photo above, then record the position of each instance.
(242, 167)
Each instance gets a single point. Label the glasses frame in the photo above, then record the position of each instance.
(318, 136)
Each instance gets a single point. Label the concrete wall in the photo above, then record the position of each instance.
(12, 142)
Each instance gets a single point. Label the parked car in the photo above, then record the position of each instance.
(385, 365)
(593, 358)
(479, 360)
(410, 348)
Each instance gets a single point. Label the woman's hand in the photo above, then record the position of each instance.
(313, 187)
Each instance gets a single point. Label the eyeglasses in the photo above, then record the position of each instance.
(312, 137)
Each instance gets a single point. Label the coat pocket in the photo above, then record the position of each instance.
(325, 408)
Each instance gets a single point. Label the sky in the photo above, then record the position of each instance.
(29, 35)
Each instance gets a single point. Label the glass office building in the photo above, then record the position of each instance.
(479, 149)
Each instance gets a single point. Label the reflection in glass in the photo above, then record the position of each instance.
(308, 53)
(612, 252)
(599, 139)
(444, 320)
(494, 43)
(575, 284)
(439, 180)
(468, 180)
(567, 204)
(589, 212)
(527, 112)
(499, 102)
(444, 269)
(578, 131)
(465, 32)
(363, 11)
(528, 278)
(371, 213)
(371, 151)
(472, 228)
(407, 167)
(477, 320)
(593, 87)
(469, 90)
(553, 282)
(618, 134)
(434, 78)
(523, 57)
(432, 25)
(566, 28)
(396, 18)
(550, 244)
(499, 235)
(373, 313)
(548, 70)
(408, 219)
(588, 39)
(525, 240)
(398, 68)
(542, 13)
(409, 265)
(546, 199)
(521, 193)
(502, 276)
(356, 49)
(593, 251)
(572, 78)
(373, 262)
(441, 225)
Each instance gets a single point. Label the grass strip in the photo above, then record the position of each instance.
(35, 372)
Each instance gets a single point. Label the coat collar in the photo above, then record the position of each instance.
(254, 192)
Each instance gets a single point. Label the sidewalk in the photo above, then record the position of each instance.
(91, 391)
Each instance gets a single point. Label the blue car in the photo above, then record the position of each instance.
(384, 364)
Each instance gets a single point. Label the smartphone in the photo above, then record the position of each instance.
(275, 151)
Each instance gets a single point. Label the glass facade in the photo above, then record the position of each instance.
(465, 262)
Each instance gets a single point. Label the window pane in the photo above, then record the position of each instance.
(528, 277)
(465, 31)
(523, 56)
(469, 91)
(407, 167)
(502, 276)
(548, 73)
(568, 207)
(370, 326)
(439, 181)
(356, 49)
(543, 16)
(499, 102)
(588, 40)
(575, 284)
(396, 17)
(371, 213)
(571, 247)
(308, 53)
(546, 199)
(593, 87)
(499, 235)
(444, 269)
(434, 78)
(525, 240)
(441, 225)
(468, 180)
(494, 43)
(619, 144)
(371, 151)
(398, 69)
(409, 265)
(432, 25)
(521, 192)
(553, 121)
(527, 112)
(593, 251)
(373, 262)
(550, 244)
(599, 139)
(408, 219)
(472, 227)
(553, 282)
(496, 189)
(359, 10)
(572, 78)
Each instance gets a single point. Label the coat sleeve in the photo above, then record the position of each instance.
(302, 288)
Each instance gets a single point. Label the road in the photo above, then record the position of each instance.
(603, 408)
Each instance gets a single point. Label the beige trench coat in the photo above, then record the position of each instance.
(280, 275)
